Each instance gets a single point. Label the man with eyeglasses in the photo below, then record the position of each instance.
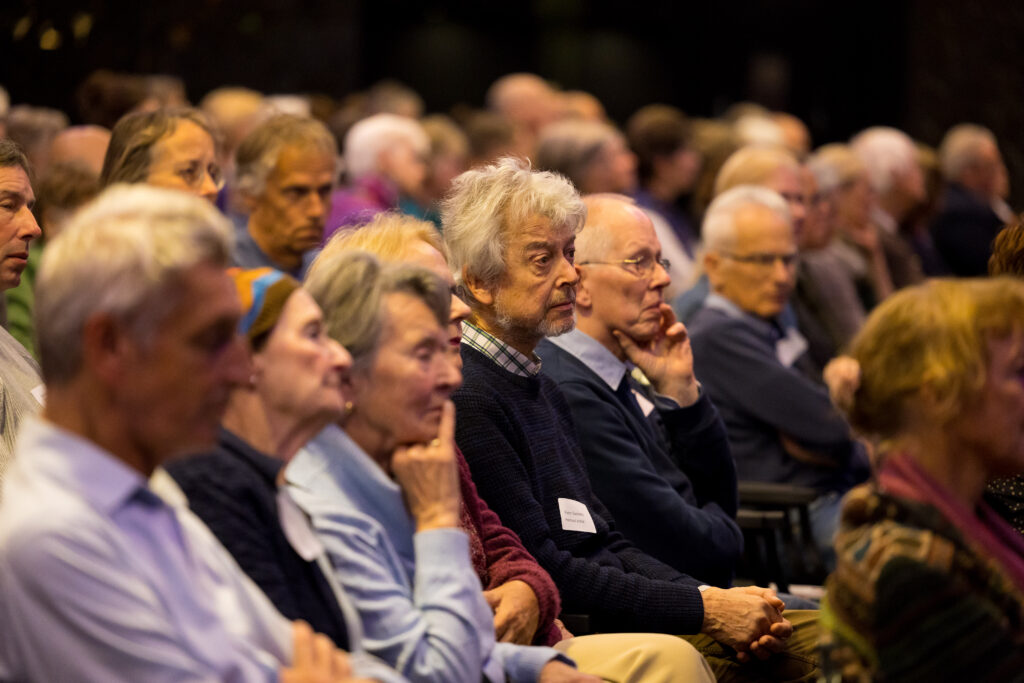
(286, 171)
(511, 236)
(654, 444)
(781, 424)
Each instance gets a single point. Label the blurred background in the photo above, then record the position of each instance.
(920, 65)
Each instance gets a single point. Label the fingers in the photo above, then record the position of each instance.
(323, 652)
(446, 432)
(782, 629)
(493, 598)
(302, 645)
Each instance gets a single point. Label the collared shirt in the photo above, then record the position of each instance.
(500, 352)
(248, 254)
(789, 343)
(419, 600)
(101, 579)
(610, 369)
(21, 389)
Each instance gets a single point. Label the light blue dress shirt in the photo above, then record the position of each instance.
(102, 580)
(419, 600)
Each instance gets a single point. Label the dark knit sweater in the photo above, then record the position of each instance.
(234, 491)
(668, 480)
(518, 436)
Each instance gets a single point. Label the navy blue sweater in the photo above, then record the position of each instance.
(762, 400)
(668, 480)
(518, 436)
(234, 491)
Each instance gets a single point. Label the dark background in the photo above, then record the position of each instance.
(920, 65)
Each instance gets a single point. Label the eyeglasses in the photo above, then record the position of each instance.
(192, 175)
(764, 259)
(641, 266)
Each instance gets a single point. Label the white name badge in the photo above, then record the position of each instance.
(645, 406)
(576, 516)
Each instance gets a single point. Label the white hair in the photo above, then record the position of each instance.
(120, 255)
(719, 227)
(961, 147)
(375, 134)
(886, 153)
(756, 129)
(487, 204)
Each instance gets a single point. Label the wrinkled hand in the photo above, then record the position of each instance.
(429, 477)
(516, 612)
(315, 659)
(747, 619)
(666, 360)
(842, 376)
(560, 672)
(563, 631)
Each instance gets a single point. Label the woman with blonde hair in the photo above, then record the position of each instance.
(930, 581)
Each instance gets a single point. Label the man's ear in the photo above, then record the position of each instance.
(712, 260)
(106, 345)
(481, 292)
(583, 297)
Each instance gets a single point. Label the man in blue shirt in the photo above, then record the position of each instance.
(101, 578)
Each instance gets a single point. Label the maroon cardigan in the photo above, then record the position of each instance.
(499, 556)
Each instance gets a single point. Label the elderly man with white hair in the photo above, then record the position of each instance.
(781, 424)
(101, 577)
(511, 233)
(890, 158)
(385, 161)
(973, 207)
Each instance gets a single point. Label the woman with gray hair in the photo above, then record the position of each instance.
(172, 148)
(382, 489)
(385, 162)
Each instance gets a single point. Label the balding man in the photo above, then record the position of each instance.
(782, 426)
(84, 145)
(529, 102)
(890, 158)
(975, 185)
(655, 447)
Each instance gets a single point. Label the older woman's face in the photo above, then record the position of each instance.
(401, 394)
(992, 427)
(301, 372)
(185, 160)
(405, 167)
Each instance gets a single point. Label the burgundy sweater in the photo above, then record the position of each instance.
(499, 556)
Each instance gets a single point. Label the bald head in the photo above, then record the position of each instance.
(82, 145)
(622, 276)
(607, 216)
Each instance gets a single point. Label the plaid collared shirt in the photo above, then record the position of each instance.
(500, 352)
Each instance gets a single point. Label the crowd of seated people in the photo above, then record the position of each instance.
(304, 390)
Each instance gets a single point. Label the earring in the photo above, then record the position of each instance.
(349, 407)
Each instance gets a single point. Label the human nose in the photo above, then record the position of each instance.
(567, 273)
(208, 188)
(29, 228)
(460, 311)
(660, 277)
(450, 376)
(341, 359)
